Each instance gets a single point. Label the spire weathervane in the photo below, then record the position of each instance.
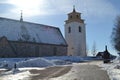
(21, 18)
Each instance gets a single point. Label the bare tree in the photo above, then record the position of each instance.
(116, 35)
(94, 50)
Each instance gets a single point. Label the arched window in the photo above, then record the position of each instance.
(69, 29)
(79, 29)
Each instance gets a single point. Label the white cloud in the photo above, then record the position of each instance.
(40, 7)
(29, 7)
(51, 7)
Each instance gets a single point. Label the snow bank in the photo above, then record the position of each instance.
(72, 58)
(42, 61)
(25, 62)
(113, 69)
(9, 62)
(37, 62)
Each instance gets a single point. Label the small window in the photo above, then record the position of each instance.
(69, 29)
(77, 16)
(70, 16)
(79, 29)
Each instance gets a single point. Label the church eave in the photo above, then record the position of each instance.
(28, 42)
(73, 13)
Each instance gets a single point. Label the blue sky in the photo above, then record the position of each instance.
(99, 16)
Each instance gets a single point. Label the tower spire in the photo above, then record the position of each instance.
(106, 48)
(74, 8)
(21, 18)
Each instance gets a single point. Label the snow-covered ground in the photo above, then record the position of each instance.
(41, 62)
(18, 74)
(26, 64)
(15, 75)
(113, 69)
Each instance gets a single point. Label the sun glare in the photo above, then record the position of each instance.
(29, 7)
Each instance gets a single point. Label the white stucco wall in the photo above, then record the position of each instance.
(76, 40)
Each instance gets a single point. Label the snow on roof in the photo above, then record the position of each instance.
(16, 30)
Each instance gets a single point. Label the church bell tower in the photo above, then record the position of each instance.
(75, 34)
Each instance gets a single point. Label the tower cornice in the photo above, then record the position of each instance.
(74, 20)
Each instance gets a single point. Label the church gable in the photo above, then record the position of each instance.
(5, 48)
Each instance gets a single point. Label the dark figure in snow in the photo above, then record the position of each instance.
(106, 55)
(15, 66)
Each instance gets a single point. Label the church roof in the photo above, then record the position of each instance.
(16, 30)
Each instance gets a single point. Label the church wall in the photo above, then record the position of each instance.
(27, 49)
(52, 50)
(24, 49)
(5, 48)
(61, 51)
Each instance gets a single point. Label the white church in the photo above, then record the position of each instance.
(19, 38)
(75, 34)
